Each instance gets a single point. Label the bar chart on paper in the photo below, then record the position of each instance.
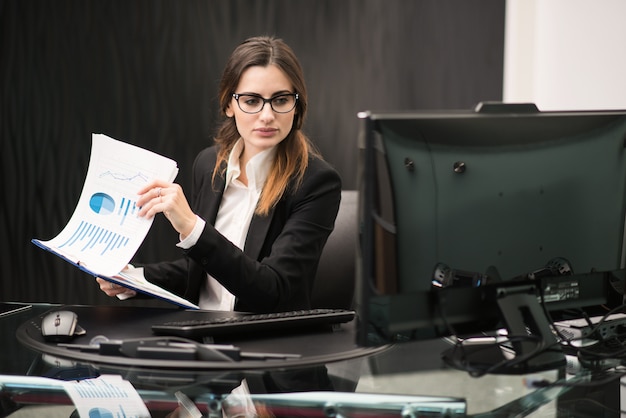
(88, 236)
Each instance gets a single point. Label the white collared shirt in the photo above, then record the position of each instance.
(234, 216)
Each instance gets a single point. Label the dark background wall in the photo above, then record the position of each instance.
(146, 72)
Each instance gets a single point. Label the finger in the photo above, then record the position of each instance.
(152, 185)
(111, 289)
(150, 195)
(150, 209)
(149, 204)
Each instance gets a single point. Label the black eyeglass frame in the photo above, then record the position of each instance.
(236, 96)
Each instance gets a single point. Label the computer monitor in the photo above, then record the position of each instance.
(498, 215)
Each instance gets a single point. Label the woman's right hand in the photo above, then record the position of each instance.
(111, 289)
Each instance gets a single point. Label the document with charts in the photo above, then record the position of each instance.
(104, 233)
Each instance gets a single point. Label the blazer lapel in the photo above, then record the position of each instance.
(259, 225)
(257, 233)
(217, 190)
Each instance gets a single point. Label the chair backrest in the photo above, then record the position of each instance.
(335, 279)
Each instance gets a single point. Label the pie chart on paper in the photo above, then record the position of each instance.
(100, 413)
(102, 203)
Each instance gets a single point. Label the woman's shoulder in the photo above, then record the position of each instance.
(204, 163)
(320, 171)
(208, 152)
(318, 162)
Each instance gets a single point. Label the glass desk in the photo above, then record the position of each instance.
(332, 378)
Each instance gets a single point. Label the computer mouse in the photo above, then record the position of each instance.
(59, 325)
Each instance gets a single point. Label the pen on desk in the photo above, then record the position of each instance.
(268, 356)
(81, 347)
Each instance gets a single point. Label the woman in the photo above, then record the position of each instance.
(263, 202)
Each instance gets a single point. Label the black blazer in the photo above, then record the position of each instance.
(276, 270)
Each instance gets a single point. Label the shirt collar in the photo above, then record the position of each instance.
(257, 168)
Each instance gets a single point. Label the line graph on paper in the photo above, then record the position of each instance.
(125, 177)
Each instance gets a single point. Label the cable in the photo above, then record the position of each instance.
(460, 356)
(595, 351)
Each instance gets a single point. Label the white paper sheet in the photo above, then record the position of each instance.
(104, 232)
(106, 396)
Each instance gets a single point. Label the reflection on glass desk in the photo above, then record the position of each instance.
(408, 380)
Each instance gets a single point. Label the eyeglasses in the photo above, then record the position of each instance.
(253, 103)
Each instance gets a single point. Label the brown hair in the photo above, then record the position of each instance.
(293, 152)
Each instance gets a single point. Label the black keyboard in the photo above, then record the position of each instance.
(237, 323)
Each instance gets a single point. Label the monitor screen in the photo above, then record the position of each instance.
(453, 203)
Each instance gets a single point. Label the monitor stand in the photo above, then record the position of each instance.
(531, 345)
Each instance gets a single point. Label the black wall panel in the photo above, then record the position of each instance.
(146, 72)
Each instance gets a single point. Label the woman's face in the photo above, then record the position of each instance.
(266, 128)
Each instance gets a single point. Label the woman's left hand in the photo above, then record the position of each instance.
(168, 198)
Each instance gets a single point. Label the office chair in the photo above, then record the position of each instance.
(334, 282)
(333, 288)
